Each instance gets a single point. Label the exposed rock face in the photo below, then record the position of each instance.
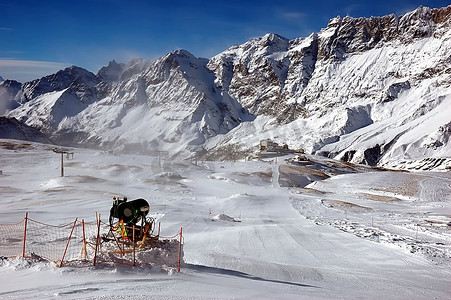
(359, 76)
(112, 72)
(350, 35)
(393, 90)
(266, 74)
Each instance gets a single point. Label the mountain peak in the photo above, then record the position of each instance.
(334, 22)
(273, 37)
(112, 72)
(180, 58)
(56, 82)
(274, 41)
(71, 73)
(180, 53)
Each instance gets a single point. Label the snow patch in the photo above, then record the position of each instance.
(224, 217)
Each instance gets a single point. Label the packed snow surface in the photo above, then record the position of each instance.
(251, 231)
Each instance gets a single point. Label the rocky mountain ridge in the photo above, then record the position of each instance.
(359, 90)
(10, 128)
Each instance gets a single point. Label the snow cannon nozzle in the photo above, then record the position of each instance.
(130, 212)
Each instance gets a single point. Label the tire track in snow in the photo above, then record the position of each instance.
(275, 175)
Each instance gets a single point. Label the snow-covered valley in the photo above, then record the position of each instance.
(305, 228)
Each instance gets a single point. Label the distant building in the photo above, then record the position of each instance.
(269, 146)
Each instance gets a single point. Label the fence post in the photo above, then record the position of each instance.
(68, 241)
(25, 235)
(134, 246)
(97, 239)
(83, 248)
(180, 249)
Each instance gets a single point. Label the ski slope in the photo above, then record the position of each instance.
(247, 235)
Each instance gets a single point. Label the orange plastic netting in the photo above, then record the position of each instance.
(94, 243)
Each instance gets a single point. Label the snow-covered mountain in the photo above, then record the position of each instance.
(366, 90)
(373, 91)
(10, 128)
(168, 104)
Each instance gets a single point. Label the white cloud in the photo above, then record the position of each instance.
(26, 70)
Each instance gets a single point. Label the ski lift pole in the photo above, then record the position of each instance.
(60, 151)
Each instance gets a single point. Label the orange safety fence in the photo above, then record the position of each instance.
(93, 243)
(12, 239)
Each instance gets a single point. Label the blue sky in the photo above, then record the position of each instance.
(38, 38)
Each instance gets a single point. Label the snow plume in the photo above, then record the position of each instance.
(8, 91)
(3, 102)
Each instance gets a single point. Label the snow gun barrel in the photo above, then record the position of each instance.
(129, 211)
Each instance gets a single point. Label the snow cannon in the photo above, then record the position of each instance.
(130, 212)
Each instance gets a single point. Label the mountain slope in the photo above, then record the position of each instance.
(10, 128)
(368, 82)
